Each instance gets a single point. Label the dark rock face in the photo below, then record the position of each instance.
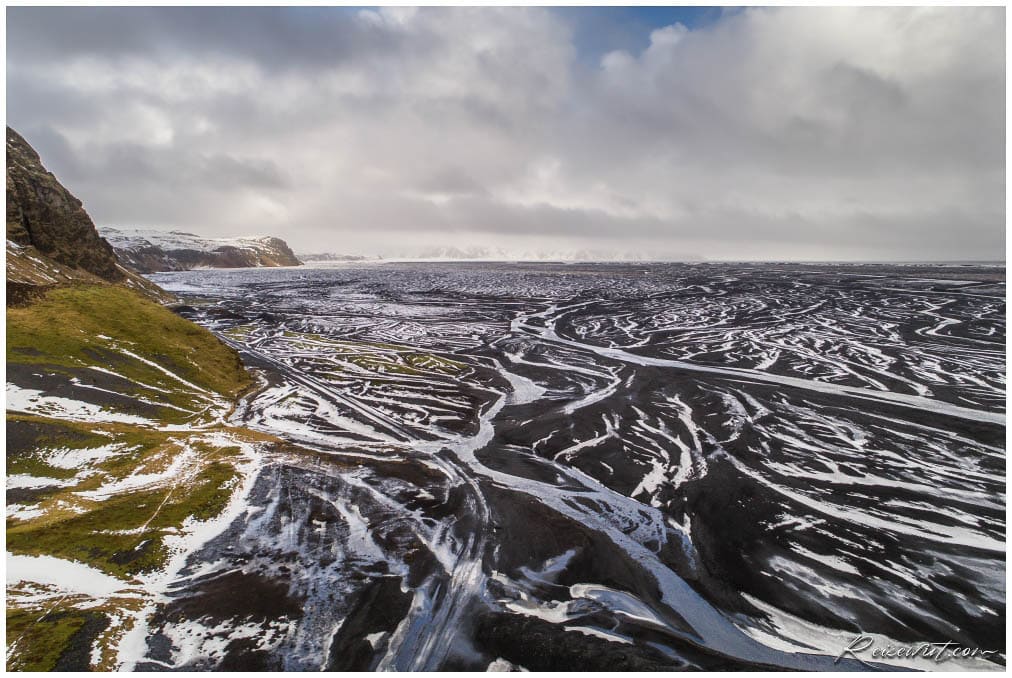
(43, 214)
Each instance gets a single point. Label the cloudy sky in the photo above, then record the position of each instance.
(771, 133)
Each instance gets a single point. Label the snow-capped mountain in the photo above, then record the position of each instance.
(150, 251)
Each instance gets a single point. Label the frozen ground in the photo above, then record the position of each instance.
(603, 467)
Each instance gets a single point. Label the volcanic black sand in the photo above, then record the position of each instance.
(604, 467)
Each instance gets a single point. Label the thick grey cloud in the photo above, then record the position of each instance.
(767, 133)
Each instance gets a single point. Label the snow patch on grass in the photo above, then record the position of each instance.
(65, 575)
(31, 401)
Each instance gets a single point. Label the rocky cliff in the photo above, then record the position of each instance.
(51, 240)
(43, 215)
(150, 251)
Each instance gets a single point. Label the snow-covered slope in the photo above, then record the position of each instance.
(149, 251)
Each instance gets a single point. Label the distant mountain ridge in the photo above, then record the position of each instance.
(330, 256)
(479, 253)
(152, 251)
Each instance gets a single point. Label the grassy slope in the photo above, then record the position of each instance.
(64, 329)
(122, 534)
(63, 332)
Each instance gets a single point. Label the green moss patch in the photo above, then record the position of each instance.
(38, 640)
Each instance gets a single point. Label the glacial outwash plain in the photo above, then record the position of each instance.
(579, 466)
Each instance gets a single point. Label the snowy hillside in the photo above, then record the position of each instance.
(150, 251)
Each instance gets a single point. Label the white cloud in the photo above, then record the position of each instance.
(774, 132)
